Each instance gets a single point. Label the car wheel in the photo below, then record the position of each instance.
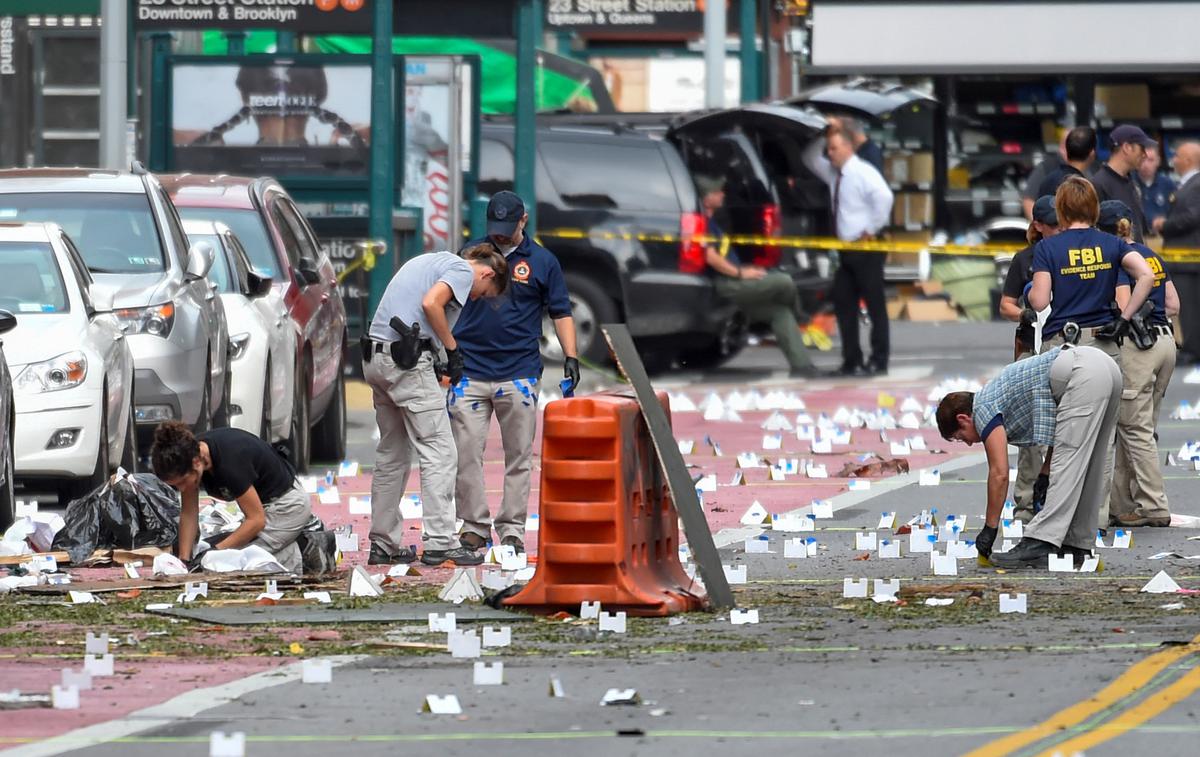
(264, 427)
(221, 415)
(329, 435)
(129, 452)
(590, 307)
(81, 487)
(204, 418)
(299, 443)
(7, 496)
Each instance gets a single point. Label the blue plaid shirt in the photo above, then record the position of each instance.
(1021, 397)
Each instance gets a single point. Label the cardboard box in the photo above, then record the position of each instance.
(920, 168)
(895, 167)
(930, 288)
(930, 310)
(1117, 101)
(899, 210)
(895, 308)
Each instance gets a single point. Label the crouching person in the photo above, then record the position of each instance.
(1066, 399)
(234, 466)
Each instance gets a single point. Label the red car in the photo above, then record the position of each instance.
(280, 243)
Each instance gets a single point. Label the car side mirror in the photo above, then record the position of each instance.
(200, 260)
(8, 321)
(307, 270)
(259, 284)
(102, 299)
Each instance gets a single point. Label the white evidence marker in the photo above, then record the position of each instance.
(589, 610)
(943, 565)
(489, 675)
(743, 617)
(1061, 563)
(64, 698)
(816, 471)
(556, 688)
(886, 588)
(901, 448)
(772, 441)
(707, 483)
(921, 539)
(321, 597)
(757, 545)
(95, 643)
(931, 477)
(614, 622)
(1091, 564)
(410, 508)
(822, 508)
(329, 496)
(962, 550)
(131, 570)
(442, 623)
(1122, 539)
(1009, 511)
(360, 505)
(81, 597)
(854, 589)
(317, 671)
(1012, 529)
(790, 523)
(686, 446)
(346, 542)
(347, 469)
(499, 637)
(464, 644)
(735, 574)
(81, 680)
(867, 540)
(777, 474)
(795, 548)
(755, 515)
(436, 705)
(1010, 603)
(98, 666)
(889, 549)
(887, 520)
(821, 446)
(859, 485)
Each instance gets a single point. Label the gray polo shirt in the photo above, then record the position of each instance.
(408, 287)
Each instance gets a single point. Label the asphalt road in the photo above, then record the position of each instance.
(819, 674)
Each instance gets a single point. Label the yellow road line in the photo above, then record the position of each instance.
(1151, 707)
(1137, 676)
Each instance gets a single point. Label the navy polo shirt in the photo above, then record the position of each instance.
(1083, 266)
(1158, 295)
(1156, 196)
(500, 336)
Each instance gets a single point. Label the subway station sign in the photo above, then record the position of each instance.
(307, 16)
(627, 15)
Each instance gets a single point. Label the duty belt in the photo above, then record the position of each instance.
(377, 347)
(1164, 330)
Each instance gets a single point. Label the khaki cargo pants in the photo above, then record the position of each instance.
(1137, 478)
(410, 409)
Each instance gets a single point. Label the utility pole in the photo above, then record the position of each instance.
(113, 83)
(528, 12)
(748, 50)
(383, 148)
(714, 54)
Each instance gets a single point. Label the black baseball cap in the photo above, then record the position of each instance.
(1126, 133)
(1044, 212)
(504, 212)
(1111, 212)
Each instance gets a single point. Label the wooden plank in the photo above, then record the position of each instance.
(679, 481)
(62, 558)
(216, 582)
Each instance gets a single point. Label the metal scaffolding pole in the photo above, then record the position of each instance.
(113, 83)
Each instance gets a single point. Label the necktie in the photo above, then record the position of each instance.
(837, 190)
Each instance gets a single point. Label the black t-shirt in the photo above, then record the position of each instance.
(1050, 184)
(1020, 274)
(241, 460)
(1111, 185)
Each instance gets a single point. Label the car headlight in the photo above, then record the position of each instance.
(155, 320)
(62, 372)
(237, 345)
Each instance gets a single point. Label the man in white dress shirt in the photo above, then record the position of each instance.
(861, 205)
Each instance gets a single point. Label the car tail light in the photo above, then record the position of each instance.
(769, 254)
(692, 228)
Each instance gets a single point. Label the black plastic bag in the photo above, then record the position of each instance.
(137, 510)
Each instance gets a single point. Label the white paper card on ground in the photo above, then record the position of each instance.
(889, 549)
(822, 446)
(461, 587)
(442, 623)
(795, 548)
(1013, 603)
(64, 698)
(743, 617)
(854, 588)
(772, 441)
(437, 705)
(686, 446)
(1060, 563)
(822, 508)
(81, 597)
(518, 561)
(886, 588)
(917, 443)
(621, 697)
(329, 496)
(757, 545)
(756, 515)
(309, 484)
(707, 483)
(321, 597)
(944, 565)
(859, 485)
(556, 688)
(131, 570)
(78, 679)
(589, 610)
(95, 643)
(363, 585)
(806, 433)
(317, 671)
(360, 505)
(524, 574)
(921, 539)
(748, 460)
(1012, 529)
(464, 644)
(930, 477)
(887, 520)
(735, 574)
(489, 675)
(1161, 584)
(900, 448)
(816, 471)
(347, 542)
(348, 469)
(497, 637)
(98, 666)
(1122, 539)
(866, 540)
(776, 474)
(612, 622)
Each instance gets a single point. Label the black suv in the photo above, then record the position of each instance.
(617, 204)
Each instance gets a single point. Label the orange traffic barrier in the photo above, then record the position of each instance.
(609, 530)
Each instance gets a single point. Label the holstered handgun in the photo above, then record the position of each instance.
(1140, 329)
(406, 350)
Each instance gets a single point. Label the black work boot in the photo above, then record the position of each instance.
(1029, 553)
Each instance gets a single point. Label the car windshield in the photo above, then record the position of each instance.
(249, 228)
(115, 232)
(30, 281)
(219, 273)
